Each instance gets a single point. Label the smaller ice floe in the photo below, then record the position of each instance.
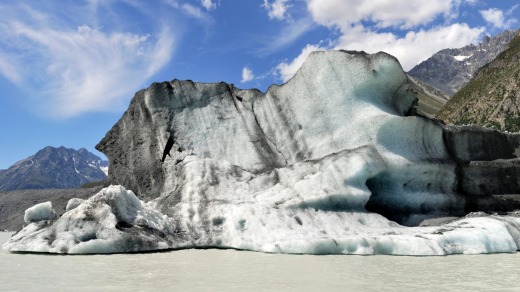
(39, 212)
(461, 58)
(113, 220)
(73, 203)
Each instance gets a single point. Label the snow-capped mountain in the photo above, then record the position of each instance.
(451, 69)
(492, 98)
(54, 168)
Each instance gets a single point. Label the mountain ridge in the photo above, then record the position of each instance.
(492, 98)
(451, 69)
(54, 167)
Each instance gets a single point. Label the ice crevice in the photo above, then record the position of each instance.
(265, 135)
(332, 162)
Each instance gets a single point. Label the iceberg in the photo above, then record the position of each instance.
(332, 162)
(39, 212)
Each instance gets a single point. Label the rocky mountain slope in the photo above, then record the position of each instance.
(429, 99)
(492, 98)
(451, 69)
(54, 168)
(331, 162)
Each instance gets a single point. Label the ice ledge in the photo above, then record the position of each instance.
(115, 221)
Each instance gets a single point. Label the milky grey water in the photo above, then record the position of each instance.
(229, 270)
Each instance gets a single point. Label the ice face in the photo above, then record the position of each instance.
(39, 212)
(324, 164)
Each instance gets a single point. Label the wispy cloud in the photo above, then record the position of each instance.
(76, 69)
(9, 69)
(209, 4)
(290, 33)
(193, 11)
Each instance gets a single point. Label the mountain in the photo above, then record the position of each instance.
(54, 168)
(330, 162)
(492, 98)
(451, 69)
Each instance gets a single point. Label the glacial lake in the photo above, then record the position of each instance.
(231, 270)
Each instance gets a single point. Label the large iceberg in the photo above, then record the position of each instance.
(332, 162)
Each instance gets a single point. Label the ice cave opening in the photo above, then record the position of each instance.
(412, 201)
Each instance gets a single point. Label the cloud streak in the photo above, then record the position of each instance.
(9, 69)
(77, 69)
(290, 33)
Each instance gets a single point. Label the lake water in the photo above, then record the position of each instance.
(230, 270)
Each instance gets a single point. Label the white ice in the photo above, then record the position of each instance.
(114, 220)
(42, 211)
(73, 203)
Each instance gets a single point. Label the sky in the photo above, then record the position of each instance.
(68, 69)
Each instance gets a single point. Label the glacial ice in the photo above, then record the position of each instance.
(115, 220)
(327, 163)
(73, 203)
(95, 226)
(39, 212)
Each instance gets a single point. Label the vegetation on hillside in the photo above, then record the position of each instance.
(492, 98)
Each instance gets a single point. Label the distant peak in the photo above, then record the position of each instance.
(57, 167)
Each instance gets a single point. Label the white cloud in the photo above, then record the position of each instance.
(494, 16)
(410, 50)
(415, 46)
(209, 5)
(277, 9)
(497, 18)
(247, 75)
(73, 70)
(384, 13)
(408, 16)
(287, 70)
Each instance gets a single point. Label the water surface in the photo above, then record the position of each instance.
(230, 270)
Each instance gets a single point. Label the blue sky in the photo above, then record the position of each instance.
(68, 69)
